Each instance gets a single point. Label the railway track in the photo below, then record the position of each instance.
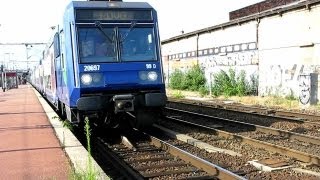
(289, 124)
(139, 156)
(250, 150)
(292, 116)
(304, 148)
(247, 129)
(147, 157)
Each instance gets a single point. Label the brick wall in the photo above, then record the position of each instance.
(258, 7)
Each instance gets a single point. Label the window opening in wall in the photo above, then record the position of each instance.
(252, 46)
(236, 47)
(244, 46)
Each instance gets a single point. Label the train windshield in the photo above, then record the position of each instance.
(97, 44)
(137, 44)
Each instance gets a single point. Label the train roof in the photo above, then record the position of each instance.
(104, 4)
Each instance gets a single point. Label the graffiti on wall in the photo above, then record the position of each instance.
(230, 59)
(283, 79)
(304, 89)
(240, 61)
(183, 65)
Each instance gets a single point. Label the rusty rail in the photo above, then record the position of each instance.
(274, 131)
(280, 114)
(301, 156)
(195, 161)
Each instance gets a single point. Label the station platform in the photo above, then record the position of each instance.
(29, 148)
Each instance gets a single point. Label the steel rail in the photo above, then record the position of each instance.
(210, 168)
(274, 131)
(130, 173)
(119, 163)
(274, 113)
(262, 112)
(301, 156)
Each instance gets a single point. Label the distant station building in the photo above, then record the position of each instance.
(275, 42)
(10, 79)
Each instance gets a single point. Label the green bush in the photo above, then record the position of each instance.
(176, 79)
(227, 84)
(230, 84)
(193, 80)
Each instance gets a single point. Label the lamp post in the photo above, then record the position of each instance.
(27, 56)
(2, 79)
(2, 74)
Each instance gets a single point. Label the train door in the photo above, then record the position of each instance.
(58, 64)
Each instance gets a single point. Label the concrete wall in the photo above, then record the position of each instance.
(288, 47)
(233, 47)
(282, 50)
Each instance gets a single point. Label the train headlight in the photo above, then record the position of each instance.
(148, 76)
(143, 75)
(86, 79)
(152, 76)
(96, 77)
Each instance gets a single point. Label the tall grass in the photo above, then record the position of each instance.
(178, 95)
(89, 173)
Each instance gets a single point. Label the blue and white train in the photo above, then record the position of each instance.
(104, 62)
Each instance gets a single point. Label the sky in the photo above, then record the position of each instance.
(31, 21)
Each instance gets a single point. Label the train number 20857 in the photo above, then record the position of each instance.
(91, 67)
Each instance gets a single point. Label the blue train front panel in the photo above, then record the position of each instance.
(116, 60)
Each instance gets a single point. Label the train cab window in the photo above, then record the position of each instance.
(61, 51)
(96, 45)
(137, 44)
(56, 45)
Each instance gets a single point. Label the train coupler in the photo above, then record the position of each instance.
(123, 103)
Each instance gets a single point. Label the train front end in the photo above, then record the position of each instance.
(119, 70)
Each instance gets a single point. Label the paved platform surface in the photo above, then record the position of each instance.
(29, 148)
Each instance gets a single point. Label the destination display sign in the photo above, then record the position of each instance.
(98, 14)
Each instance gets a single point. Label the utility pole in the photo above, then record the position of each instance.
(27, 46)
(32, 43)
(2, 75)
(2, 79)
(27, 57)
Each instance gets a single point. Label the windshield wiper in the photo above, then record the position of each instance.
(133, 24)
(98, 25)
